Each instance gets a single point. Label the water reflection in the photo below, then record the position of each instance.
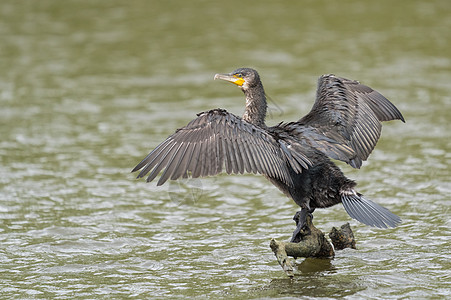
(87, 87)
(315, 285)
(315, 265)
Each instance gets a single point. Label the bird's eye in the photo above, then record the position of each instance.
(239, 75)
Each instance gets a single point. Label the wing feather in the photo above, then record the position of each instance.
(162, 162)
(173, 162)
(348, 114)
(218, 139)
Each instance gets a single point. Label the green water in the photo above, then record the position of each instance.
(87, 88)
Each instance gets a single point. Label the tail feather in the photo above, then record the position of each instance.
(368, 212)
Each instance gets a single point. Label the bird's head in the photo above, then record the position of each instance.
(245, 78)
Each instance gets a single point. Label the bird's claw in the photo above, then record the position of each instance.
(302, 228)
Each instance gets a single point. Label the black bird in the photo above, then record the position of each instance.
(344, 124)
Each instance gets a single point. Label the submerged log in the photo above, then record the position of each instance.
(313, 243)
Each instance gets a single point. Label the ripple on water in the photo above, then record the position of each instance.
(84, 98)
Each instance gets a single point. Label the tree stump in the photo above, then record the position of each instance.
(313, 243)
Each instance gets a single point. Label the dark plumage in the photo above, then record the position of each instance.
(344, 124)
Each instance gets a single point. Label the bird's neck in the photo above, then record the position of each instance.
(255, 111)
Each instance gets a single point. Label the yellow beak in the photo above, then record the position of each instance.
(230, 78)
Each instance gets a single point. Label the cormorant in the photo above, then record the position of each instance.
(344, 124)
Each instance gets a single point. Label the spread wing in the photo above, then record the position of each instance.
(348, 115)
(215, 139)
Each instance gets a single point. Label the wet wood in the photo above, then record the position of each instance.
(342, 238)
(313, 243)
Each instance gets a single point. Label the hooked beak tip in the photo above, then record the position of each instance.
(217, 76)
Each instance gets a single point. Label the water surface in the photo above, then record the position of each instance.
(87, 88)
